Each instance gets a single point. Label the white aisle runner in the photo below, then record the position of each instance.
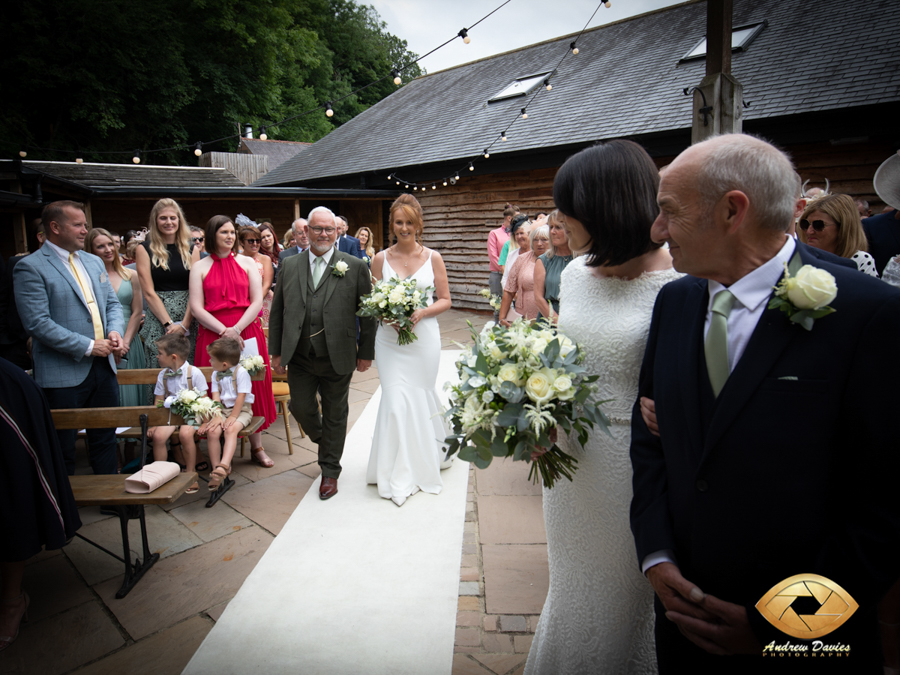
(352, 585)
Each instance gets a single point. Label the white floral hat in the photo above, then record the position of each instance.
(887, 181)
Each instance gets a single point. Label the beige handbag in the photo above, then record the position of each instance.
(151, 477)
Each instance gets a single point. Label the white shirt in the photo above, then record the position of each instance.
(751, 292)
(64, 256)
(226, 389)
(326, 258)
(169, 386)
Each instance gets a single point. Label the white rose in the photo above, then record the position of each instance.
(539, 387)
(811, 288)
(539, 345)
(382, 304)
(487, 327)
(477, 381)
(487, 396)
(509, 373)
(341, 266)
(495, 351)
(189, 396)
(562, 383)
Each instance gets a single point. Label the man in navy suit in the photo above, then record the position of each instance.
(74, 318)
(345, 242)
(301, 241)
(779, 457)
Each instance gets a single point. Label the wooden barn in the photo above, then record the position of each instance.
(816, 81)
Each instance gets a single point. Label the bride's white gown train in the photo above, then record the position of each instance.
(407, 446)
(598, 616)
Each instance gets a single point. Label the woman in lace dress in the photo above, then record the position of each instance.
(251, 238)
(598, 616)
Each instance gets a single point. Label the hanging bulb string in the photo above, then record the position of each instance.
(520, 115)
(267, 125)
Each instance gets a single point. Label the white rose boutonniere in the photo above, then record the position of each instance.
(340, 268)
(805, 296)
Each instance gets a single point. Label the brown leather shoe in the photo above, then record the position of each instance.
(328, 488)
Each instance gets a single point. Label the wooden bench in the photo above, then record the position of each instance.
(109, 490)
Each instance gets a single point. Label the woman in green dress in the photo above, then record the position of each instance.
(128, 289)
(549, 267)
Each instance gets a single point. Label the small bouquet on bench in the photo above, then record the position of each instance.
(517, 386)
(253, 364)
(193, 406)
(394, 300)
(494, 300)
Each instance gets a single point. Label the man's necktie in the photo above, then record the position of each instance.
(88, 298)
(318, 265)
(222, 374)
(717, 341)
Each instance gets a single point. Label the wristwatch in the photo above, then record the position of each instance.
(167, 324)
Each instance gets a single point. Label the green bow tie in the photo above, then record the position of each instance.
(222, 374)
(173, 374)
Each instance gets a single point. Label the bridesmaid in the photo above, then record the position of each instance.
(163, 264)
(127, 286)
(226, 297)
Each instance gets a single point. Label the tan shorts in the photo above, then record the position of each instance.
(246, 415)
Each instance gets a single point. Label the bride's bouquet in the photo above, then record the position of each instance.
(517, 386)
(193, 406)
(394, 300)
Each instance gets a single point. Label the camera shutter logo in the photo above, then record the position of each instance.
(779, 606)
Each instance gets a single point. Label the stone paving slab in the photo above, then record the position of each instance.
(212, 523)
(165, 534)
(507, 478)
(271, 501)
(511, 520)
(516, 578)
(166, 652)
(184, 585)
(53, 587)
(89, 634)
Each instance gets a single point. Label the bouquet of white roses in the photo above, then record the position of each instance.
(394, 300)
(193, 405)
(517, 386)
(253, 364)
(494, 300)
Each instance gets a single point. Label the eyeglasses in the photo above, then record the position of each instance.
(319, 230)
(252, 241)
(196, 240)
(817, 225)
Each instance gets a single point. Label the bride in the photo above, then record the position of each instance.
(598, 616)
(407, 447)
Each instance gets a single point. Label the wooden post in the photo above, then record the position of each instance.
(719, 90)
(87, 213)
(296, 209)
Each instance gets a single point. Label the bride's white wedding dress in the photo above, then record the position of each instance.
(598, 616)
(407, 446)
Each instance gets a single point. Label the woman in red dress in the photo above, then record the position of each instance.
(226, 296)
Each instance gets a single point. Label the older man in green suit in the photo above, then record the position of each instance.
(313, 330)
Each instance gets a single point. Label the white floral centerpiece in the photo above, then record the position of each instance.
(394, 300)
(517, 386)
(253, 364)
(193, 406)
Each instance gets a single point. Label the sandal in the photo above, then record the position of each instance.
(7, 640)
(202, 466)
(220, 473)
(194, 489)
(259, 457)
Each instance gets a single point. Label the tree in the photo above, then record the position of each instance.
(91, 76)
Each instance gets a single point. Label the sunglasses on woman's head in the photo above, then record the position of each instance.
(817, 225)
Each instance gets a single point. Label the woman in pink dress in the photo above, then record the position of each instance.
(520, 284)
(226, 296)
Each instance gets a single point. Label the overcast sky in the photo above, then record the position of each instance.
(425, 24)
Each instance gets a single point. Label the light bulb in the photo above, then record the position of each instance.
(573, 48)
(264, 136)
(503, 136)
(406, 186)
(464, 34)
(198, 150)
(433, 186)
(467, 39)
(445, 182)
(137, 157)
(607, 4)
(396, 74)
(22, 153)
(398, 182)
(524, 114)
(328, 111)
(78, 160)
(415, 187)
(575, 51)
(456, 177)
(548, 85)
(486, 154)
(471, 168)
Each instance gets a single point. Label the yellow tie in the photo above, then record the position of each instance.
(89, 298)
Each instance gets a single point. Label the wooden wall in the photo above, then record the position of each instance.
(246, 168)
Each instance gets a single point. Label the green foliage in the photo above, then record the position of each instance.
(97, 75)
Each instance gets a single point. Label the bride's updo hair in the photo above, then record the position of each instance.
(611, 189)
(410, 208)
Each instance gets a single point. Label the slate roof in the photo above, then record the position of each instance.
(278, 152)
(814, 55)
(136, 175)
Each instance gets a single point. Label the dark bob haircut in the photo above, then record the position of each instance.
(212, 227)
(611, 189)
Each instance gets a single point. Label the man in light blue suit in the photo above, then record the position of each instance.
(74, 318)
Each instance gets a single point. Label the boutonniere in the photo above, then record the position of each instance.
(103, 278)
(339, 268)
(805, 296)
(365, 259)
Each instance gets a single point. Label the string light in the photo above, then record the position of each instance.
(415, 187)
(263, 136)
(396, 75)
(548, 85)
(486, 153)
(445, 182)
(137, 157)
(503, 136)
(398, 182)
(464, 34)
(328, 110)
(23, 153)
(456, 177)
(524, 114)
(78, 160)
(607, 4)
(573, 48)
(433, 186)
(198, 149)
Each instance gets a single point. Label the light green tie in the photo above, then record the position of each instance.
(717, 341)
(318, 265)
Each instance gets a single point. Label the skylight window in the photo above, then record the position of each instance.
(521, 86)
(741, 37)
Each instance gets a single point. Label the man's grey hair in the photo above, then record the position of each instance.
(194, 228)
(346, 222)
(297, 224)
(322, 209)
(758, 169)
